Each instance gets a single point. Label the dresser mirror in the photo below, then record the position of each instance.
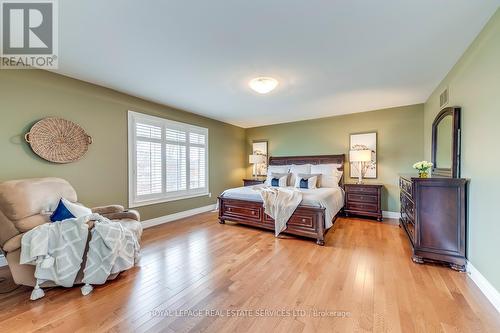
(446, 143)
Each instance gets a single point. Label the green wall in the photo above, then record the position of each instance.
(400, 137)
(101, 176)
(474, 85)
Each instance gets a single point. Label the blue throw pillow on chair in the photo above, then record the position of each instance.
(68, 210)
(61, 213)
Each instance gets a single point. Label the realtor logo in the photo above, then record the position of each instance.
(29, 34)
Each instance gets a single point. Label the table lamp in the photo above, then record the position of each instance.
(361, 157)
(256, 159)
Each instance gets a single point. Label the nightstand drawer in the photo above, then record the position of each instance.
(366, 198)
(361, 189)
(362, 207)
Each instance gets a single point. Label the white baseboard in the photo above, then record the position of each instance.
(391, 215)
(176, 216)
(484, 285)
(3, 261)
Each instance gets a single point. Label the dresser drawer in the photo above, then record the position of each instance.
(366, 198)
(364, 207)
(407, 205)
(410, 211)
(409, 227)
(361, 189)
(406, 186)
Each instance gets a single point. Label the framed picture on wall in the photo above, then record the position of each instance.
(259, 147)
(362, 141)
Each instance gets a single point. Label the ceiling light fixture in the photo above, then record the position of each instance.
(263, 85)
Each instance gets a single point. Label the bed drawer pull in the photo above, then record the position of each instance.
(253, 212)
(304, 220)
(229, 209)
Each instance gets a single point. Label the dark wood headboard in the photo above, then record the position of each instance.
(317, 159)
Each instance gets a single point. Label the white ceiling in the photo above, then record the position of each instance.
(331, 57)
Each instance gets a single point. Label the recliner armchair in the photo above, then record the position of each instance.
(27, 203)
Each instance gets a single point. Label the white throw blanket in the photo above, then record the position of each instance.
(57, 249)
(112, 249)
(279, 203)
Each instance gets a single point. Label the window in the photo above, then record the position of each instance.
(168, 160)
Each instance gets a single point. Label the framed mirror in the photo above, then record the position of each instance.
(446, 143)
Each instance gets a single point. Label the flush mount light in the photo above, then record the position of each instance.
(263, 85)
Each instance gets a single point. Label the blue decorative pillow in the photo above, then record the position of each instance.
(304, 183)
(275, 182)
(68, 210)
(61, 213)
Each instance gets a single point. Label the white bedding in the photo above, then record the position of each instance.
(330, 198)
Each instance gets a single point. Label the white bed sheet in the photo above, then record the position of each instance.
(330, 198)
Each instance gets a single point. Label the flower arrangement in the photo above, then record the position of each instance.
(423, 168)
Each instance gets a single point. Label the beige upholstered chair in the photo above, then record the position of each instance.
(25, 203)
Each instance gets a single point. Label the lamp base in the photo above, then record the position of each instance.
(360, 176)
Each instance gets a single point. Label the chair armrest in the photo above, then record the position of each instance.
(13, 244)
(129, 214)
(111, 209)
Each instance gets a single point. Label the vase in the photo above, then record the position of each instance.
(423, 174)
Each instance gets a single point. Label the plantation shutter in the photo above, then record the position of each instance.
(168, 160)
(176, 161)
(197, 161)
(148, 159)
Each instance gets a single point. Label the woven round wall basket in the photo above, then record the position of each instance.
(58, 140)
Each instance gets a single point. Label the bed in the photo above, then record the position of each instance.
(312, 218)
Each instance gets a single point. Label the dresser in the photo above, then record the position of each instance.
(253, 181)
(434, 216)
(364, 200)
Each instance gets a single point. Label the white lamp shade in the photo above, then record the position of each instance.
(364, 155)
(256, 159)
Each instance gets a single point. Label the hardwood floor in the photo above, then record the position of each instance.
(363, 276)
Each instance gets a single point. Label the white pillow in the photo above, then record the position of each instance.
(330, 174)
(296, 169)
(311, 181)
(275, 169)
(282, 179)
(76, 209)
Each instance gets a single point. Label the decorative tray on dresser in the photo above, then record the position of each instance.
(434, 216)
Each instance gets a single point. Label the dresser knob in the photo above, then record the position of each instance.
(304, 220)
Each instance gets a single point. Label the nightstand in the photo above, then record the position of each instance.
(363, 199)
(253, 181)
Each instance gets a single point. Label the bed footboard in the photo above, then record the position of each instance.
(306, 221)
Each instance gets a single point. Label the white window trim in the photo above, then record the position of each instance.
(162, 197)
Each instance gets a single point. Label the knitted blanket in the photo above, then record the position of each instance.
(57, 249)
(279, 203)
